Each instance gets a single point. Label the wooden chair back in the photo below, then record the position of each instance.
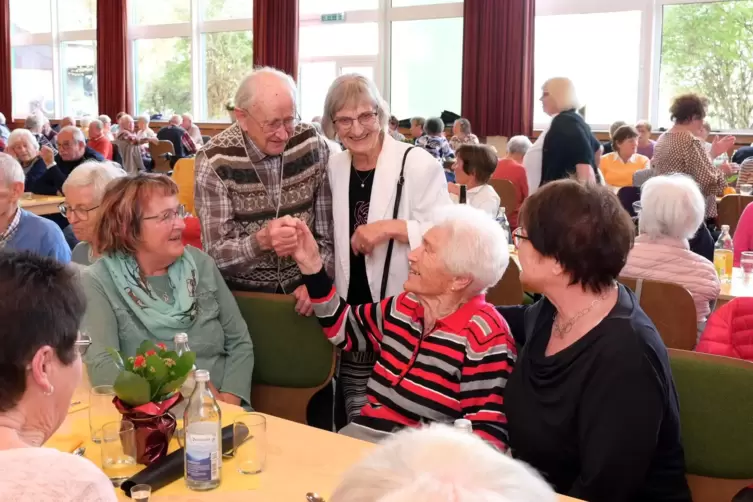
(730, 208)
(158, 150)
(293, 359)
(183, 175)
(508, 197)
(670, 307)
(509, 290)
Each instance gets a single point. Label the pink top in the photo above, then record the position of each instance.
(743, 238)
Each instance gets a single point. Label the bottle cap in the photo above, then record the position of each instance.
(201, 376)
(502, 209)
(725, 227)
(464, 424)
(181, 338)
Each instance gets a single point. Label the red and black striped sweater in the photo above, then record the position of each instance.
(458, 370)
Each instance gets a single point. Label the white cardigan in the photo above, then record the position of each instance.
(424, 190)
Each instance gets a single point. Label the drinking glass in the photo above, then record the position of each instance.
(746, 189)
(250, 442)
(141, 493)
(101, 409)
(637, 208)
(119, 451)
(746, 262)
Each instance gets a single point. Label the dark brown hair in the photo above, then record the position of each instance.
(122, 209)
(688, 107)
(622, 133)
(479, 161)
(583, 227)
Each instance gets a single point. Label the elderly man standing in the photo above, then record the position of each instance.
(72, 150)
(98, 141)
(21, 230)
(264, 166)
(192, 130)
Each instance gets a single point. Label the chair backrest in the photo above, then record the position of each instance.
(627, 196)
(716, 413)
(205, 139)
(158, 150)
(509, 290)
(183, 175)
(508, 198)
(116, 157)
(670, 307)
(730, 208)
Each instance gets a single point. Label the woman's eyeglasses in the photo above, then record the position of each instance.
(169, 215)
(517, 236)
(82, 343)
(365, 119)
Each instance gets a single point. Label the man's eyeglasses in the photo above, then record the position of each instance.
(81, 214)
(169, 215)
(517, 236)
(82, 343)
(365, 119)
(272, 126)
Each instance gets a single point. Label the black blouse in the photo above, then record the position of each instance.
(599, 419)
(567, 143)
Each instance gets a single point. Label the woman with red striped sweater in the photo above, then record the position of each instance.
(444, 353)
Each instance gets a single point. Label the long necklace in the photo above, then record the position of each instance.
(363, 180)
(563, 328)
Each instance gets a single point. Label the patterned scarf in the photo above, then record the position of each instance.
(162, 319)
(8, 234)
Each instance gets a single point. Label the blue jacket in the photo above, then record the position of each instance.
(40, 236)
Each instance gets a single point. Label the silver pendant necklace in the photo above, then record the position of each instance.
(363, 180)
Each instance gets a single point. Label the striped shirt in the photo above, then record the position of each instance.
(457, 370)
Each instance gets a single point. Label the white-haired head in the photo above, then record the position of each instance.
(350, 91)
(671, 206)
(125, 122)
(34, 123)
(518, 146)
(175, 120)
(105, 119)
(67, 121)
(19, 135)
(96, 175)
(85, 122)
(253, 83)
(476, 246)
(10, 171)
(440, 464)
(562, 92)
(95, 128)
(76, 133)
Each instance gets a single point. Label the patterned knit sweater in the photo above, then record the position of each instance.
(239, 190)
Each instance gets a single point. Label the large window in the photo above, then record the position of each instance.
(189, 55)
(54, 57)
(412, 49)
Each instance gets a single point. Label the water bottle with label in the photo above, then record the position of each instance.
(181, 346)
(203, 425)
(724, 255)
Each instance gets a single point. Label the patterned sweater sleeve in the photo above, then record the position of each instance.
(350, 328)
(710, 180)
(489, 360)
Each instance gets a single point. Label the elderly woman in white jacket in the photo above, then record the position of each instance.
(672, 210)
(383, 193)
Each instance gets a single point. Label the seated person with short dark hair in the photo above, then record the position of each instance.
(436, 144)
(179, 137)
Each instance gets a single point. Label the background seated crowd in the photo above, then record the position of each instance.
(366, 230)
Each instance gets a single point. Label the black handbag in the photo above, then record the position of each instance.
(388, 259)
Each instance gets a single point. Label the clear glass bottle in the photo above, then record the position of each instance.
(181, 346)
(724, 255)
(202, 421)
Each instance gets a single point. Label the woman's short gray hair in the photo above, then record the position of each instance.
(413, 466)
(518, 145)
(352, 90)
(105, 119)
(143, 117)
(464, 124)
(562, 90)
(33, 123)
(671, 206)
(94, 174)
(18, 135)
(476, 247)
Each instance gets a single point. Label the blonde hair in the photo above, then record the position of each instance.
(122, 210)
(562, 91)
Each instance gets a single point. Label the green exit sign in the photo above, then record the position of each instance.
(333, 18)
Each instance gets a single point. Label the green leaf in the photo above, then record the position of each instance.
(132, 389)
(184, 364)
(171, 386)
(156, 373)
(116, 357)
(146, 346)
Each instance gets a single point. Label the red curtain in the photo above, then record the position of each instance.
(112, 57)
(6, 98)
(276, 35)
(498, 66)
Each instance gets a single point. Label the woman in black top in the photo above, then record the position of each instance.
(569, 144)
(591, 403)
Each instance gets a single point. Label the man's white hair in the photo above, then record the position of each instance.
(97, 124)
(85, 122)
(518, 145)
(34, 123)
(440, 464)
(95, 174)
(247, 90)
(77, 133)
(144, 117)
(671, 206)
(188, 117)
(476, 247)
(105, 119)
(18, 135)
(10, 171)
(175, 120)
(562, 90)
(123, 119)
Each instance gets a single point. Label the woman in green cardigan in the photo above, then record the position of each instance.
(148, 286)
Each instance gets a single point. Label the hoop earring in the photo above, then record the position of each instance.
(49, 392)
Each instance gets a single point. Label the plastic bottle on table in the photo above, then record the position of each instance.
(203, 425)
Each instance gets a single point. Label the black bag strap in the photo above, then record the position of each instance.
(398, 195)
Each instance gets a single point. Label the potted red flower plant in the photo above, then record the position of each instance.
(146, 388)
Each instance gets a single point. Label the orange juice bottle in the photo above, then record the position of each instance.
(724, 255)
